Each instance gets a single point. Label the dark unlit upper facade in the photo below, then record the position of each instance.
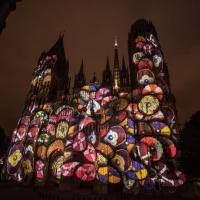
(57, 83)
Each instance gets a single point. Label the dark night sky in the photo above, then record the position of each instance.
(90, 28)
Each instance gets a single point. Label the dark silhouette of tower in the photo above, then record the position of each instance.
(124, 76)
(107, 75)
(60, 79)
(50, 78)
(79, 79)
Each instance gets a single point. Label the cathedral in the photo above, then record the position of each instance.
(119, 134)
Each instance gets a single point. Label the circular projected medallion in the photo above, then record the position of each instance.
(137, 57)
(148, 105)
(145, 76)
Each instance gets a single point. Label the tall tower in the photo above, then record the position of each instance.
(116, 70)
(107, 75)
(50, 77)
(79, 79)
(153, 105)
(60, 82)
(124, 75)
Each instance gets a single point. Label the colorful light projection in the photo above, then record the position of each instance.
(128, 138)
(109, 144)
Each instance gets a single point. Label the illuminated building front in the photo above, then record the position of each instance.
(109, 133)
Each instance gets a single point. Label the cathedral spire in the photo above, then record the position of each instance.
(116, 59)
(79, 79)
(107, 75)
(116, 44)
(61, 68)
(123, 64)
(107, 64)
(81, 68)
(116, 69)
(124, 75)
